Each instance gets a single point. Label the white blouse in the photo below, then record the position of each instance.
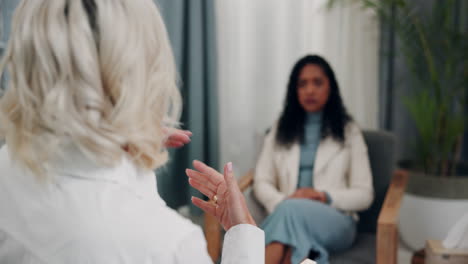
(90, 214)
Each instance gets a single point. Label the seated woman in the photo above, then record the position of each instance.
(92, 99)
(313, 174)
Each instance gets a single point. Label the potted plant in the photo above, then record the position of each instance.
(435, 52)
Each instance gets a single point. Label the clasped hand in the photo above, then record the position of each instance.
(309, 193)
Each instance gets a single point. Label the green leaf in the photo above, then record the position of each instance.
(436, 54)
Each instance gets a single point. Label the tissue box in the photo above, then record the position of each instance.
(437, 254)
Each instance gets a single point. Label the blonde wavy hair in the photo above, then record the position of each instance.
(98, 73)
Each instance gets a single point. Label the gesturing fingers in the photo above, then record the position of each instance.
(180, 136)
(174, 144)
(213, 175)
(228, 176)
(203, 178)
(176, 138)
(207, 207)
(210, 193)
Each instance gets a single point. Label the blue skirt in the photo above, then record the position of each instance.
(307, 225)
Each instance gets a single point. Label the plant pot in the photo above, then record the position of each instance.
(431, 206)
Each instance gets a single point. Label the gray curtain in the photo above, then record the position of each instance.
(191, 28)
(6, 11)
(395, 82)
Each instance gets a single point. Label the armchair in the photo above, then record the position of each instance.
(377, 241)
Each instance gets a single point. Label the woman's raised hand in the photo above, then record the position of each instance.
(226, 203)
(177, 138)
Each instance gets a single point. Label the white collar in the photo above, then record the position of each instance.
(72, 162)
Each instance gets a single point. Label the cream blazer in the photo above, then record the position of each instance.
(341, 169)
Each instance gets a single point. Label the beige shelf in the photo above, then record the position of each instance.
(437, 254)
(437, 247)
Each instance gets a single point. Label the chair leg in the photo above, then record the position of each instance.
(213, 237)
(387, 230)
(387, 244)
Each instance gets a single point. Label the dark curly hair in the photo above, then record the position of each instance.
(334, 119)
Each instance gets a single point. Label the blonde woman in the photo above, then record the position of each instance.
(91, 106)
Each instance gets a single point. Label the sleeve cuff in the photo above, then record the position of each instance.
(244, 243)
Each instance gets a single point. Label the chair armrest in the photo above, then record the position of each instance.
(387, 230)
(246, 181)
(213, 228)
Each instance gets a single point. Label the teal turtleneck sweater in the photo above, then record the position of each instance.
(312, 134)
